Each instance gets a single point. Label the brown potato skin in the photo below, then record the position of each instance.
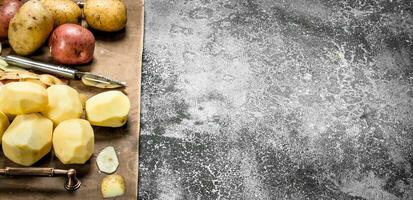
(63, 11)
(72, 44)
(30, 27)
(107, 15)
(8, 8)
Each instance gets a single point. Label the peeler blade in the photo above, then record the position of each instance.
(99, 81)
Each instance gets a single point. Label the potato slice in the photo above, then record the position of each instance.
(4, 123)
(107, 160)
(113, 186)
(109, 109)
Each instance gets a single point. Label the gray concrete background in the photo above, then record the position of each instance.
(271, 99)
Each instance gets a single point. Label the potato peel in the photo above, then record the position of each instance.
(7, 68)
(3, 64)
(35, 81)
(107, 160)
(112, 186)
(18, 74)
(51, 80)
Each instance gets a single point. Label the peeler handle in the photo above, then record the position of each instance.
(40, 66)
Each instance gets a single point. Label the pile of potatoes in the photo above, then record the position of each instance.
(27, 26)
(51, 118)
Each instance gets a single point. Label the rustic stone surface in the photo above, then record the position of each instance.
(294, 99)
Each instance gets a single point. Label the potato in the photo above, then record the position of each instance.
(107, 15)
(64, 104)
(30, 27)
(63, 11)
(73, 141)
(28, 139)
(72, 44)
(112, 186)
(107, 160)
(4, 123)
(22, 97)
(8, 9)
(108, 109)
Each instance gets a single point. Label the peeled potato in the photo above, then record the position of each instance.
(73, 141)
(4, 123)
(22, 98)
(64, 104)
(28, 139)
(109, 109)
(112, 186)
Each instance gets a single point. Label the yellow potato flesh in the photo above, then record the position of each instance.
(64, 104)
(109, 109)
(4, 123)
(27, 139)
(22, 97)
(112, 186)
(73, 141)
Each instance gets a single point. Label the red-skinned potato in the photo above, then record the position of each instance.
(72, 44)
(8, 9)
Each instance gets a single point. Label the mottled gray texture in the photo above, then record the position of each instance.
(271, 99)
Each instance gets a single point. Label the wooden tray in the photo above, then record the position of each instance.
(117, 55)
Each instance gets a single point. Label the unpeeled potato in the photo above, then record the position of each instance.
(72, 44)
(63, 11)
(8, 9)
(30, 27)
(107, 15)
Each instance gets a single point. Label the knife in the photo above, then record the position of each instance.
(87, 78)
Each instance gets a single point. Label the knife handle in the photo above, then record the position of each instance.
(72, 182)
(13, 171)
(40, 66)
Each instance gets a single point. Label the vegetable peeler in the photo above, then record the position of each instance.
(87, 78)
(72, 183)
